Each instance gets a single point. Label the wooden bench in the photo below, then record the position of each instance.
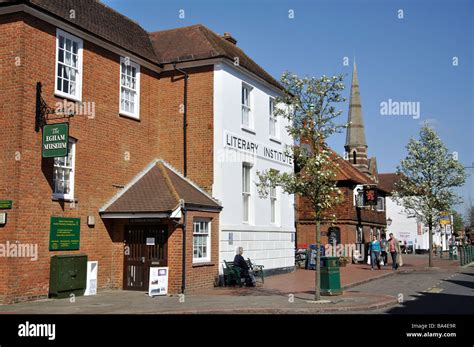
(232, 273)
(257, 269)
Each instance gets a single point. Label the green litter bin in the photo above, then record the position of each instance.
(330, 276)
(453, 252)
(68, 275)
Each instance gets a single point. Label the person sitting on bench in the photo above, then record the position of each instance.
(245, 271)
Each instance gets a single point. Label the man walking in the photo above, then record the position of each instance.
(394, 248)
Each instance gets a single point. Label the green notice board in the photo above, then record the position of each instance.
(6, 204)
(64, 233)
(55, 140)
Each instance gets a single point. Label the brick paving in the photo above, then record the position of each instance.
(303, 281)
(288, 293)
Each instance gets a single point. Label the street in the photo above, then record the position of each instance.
(426, 292)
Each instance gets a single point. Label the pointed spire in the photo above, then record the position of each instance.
(355, 136)
(356, 146)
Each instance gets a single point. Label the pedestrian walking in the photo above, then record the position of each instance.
(394, 249)
(375, 252)
(384, 249)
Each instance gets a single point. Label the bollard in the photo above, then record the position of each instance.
(461, 255)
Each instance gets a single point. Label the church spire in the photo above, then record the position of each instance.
(356, 146)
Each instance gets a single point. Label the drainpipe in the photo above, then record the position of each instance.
(183, 266)
(185, 124)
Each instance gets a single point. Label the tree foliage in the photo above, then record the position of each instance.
(428, 175)
(308, 105)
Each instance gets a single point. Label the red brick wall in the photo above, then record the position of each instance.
(199, 119)
(110, 150)
(344, 211)
(11, 96)
(198, 276)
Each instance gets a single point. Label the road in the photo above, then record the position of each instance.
(426, 292)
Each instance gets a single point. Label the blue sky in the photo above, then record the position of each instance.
(408, 59)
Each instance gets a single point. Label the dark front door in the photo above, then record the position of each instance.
(145, 246)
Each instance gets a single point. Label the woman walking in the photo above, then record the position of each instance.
(375, 252)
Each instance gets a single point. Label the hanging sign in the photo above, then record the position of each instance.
(370, 196)
(55, 140)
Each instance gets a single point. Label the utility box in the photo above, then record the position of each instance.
(330, 276)
(68, 275)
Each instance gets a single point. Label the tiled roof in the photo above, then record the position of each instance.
(347, 172)
(387, 181)
(182, 44)
(99, 20)
(197, 42)
(159, 189)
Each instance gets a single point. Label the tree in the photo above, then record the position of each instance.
(458, 222)
(428, 175)
(307, 104)
(470, 216)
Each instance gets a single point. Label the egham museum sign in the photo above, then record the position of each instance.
(55, 140)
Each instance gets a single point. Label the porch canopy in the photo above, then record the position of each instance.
(159, 191)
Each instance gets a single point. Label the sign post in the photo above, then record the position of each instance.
(55, 140)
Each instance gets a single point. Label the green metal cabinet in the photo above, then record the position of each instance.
(330, 276)
(68, 275)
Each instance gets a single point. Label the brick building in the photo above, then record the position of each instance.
(355, 223)
(144, 164)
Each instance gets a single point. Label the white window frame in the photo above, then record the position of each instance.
(273, 120)
(359, 234)
(247, 107)
(246, 193)
(380, 202)
(198, 221)
(69, 196)
(60, 93)
(136, 114)
(274, 206)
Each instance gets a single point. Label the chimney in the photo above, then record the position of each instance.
(228, 37)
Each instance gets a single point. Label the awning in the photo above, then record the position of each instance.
(158, 192)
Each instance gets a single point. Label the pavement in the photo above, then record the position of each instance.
(292, 293)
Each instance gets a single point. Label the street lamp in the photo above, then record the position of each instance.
(389, 221)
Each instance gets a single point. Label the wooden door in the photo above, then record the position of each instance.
(145, 245)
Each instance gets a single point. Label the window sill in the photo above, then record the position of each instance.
(202, 264)
(274, 139)
(68, 97)
(249, 130)
(62, 198)
(129, 115)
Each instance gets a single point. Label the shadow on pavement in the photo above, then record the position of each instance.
(468, 284)
(436, 303)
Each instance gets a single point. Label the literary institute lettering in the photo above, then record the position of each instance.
(257, 149)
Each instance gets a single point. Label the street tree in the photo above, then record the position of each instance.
(428, 175)
(458, 222)
(308, 105)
